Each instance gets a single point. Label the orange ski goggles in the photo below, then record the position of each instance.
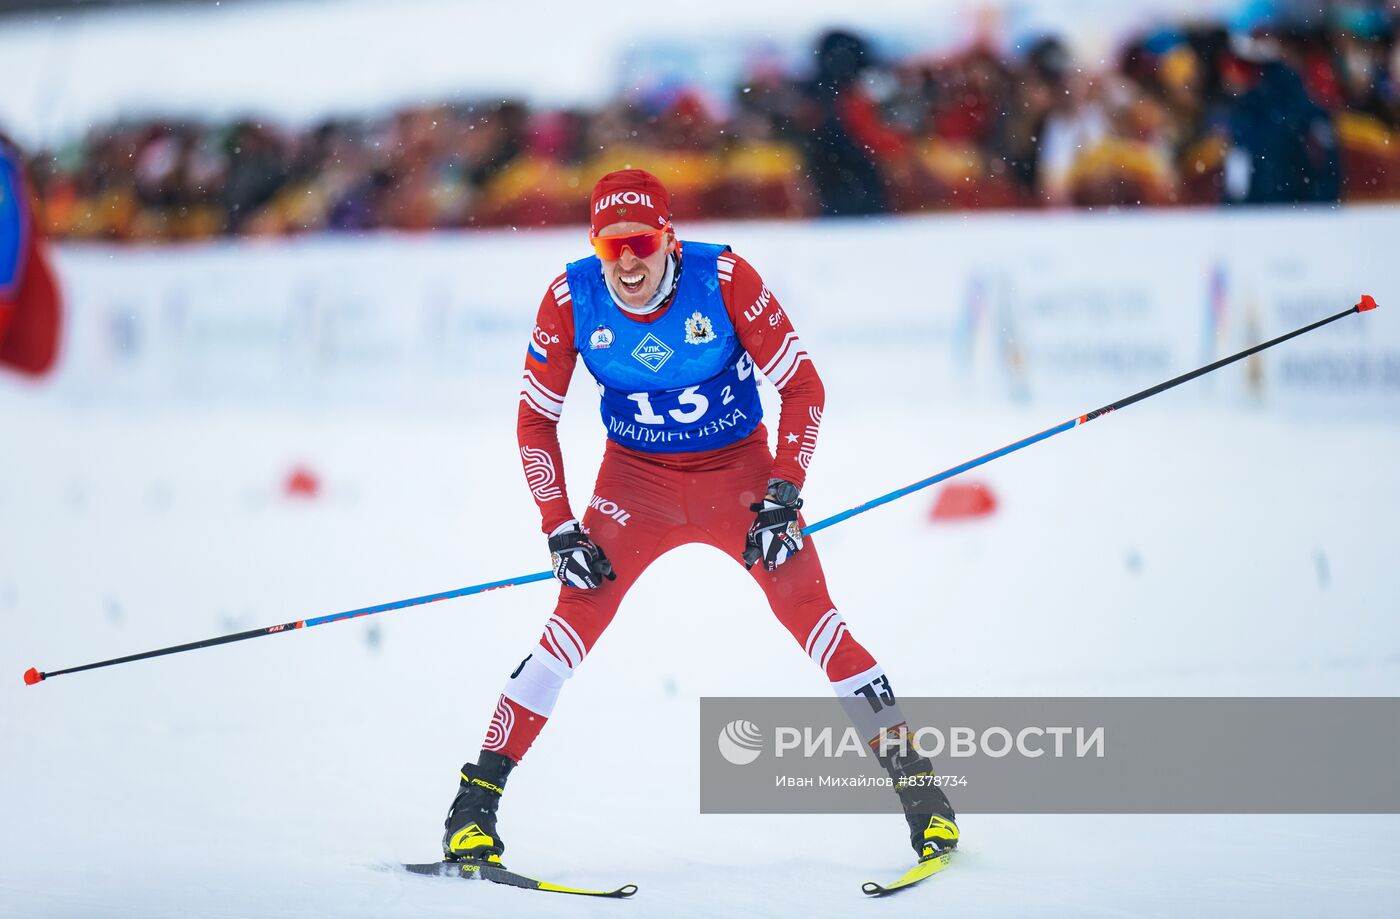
(609, 248)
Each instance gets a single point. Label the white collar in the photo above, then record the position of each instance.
(663, 290)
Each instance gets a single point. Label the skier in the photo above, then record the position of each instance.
(29, 300)
(674, 333)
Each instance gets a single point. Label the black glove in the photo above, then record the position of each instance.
(775, 533)
(577, 560)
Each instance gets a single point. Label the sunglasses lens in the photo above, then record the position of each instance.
(641, 244)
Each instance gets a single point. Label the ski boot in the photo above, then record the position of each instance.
(932, 823)
(470, 829)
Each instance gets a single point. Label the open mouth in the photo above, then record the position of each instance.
(631, 283)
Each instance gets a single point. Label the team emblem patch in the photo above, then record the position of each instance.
(602, 337)
(699, 329)
(653, 352)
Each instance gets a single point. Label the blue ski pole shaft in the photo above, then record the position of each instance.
(33, 676)
(935, 479)
(1367, 303)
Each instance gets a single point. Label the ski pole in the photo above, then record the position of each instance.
(33, 675)
(1366, 304)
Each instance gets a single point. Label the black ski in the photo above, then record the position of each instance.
(498, 874)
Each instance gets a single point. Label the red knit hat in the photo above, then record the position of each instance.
(630, 195)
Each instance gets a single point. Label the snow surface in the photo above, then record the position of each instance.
(1175, 548)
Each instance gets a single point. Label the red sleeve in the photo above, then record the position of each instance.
(29, 325)
(767, 334)
(549, 365)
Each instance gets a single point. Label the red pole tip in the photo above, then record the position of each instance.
(1367, 303)
(32, 676)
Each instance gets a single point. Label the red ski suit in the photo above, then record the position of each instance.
(645, 504)
(30, 308)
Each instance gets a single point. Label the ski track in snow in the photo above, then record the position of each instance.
(1162, 551)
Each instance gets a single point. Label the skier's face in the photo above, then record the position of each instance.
(632, 278)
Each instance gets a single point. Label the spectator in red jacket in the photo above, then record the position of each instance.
(29, 303)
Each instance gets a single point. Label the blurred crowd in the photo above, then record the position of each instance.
(1293, 111)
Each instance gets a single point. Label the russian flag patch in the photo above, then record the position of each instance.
(537, 353)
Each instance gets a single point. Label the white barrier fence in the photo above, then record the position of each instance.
(1079, 307)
